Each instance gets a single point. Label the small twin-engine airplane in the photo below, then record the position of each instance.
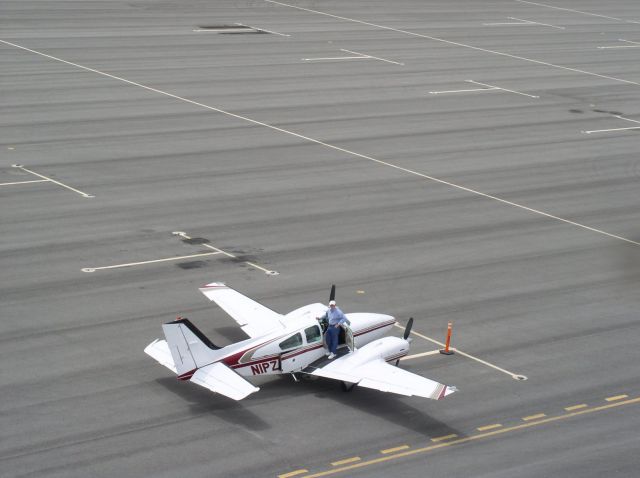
(289, 344)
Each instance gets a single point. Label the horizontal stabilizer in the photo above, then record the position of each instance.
(219, 378)
(159, 350)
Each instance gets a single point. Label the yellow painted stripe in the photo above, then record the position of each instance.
(534, 417)
(346, 460)
(293, 473)
(489, 427)
(393, 450)
(616, 398)
(575, 407)
(446, 437)
(479, 436)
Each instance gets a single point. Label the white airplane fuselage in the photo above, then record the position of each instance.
(290, 344)
(302, 343)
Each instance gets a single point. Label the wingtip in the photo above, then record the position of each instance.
(212, 285)
(448, 390)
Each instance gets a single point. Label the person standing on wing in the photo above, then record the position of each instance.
(335, 318)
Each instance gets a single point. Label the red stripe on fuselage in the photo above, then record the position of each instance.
(372, 328)
(255, 362)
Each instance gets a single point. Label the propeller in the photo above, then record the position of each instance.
(332, 295)
(407, 329)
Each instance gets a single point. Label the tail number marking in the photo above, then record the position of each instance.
(265, 367)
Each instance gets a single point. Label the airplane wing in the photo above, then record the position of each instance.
(219, 378)
(254, 318)
(380, 375)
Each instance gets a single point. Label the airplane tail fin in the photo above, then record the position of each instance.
(189, 347)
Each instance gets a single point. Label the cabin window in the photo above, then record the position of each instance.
(313, 334)
(291, 342)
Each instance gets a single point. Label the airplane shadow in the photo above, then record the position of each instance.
(380, 405)
(202, 401)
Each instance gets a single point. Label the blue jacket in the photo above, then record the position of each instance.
(335, 316)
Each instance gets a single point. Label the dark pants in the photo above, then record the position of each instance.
(333, 333)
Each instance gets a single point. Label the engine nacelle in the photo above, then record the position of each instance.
(386, 348)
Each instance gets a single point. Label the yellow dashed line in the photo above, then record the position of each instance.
(356, 462)
(489, 427)
(346, 460)
(575, 407)
(534, 417)
(393, 450)
(446, 437)
(293, 473)
(617, 397)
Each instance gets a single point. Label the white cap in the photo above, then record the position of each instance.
(332, 302)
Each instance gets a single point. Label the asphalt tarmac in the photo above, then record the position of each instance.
(473, 162)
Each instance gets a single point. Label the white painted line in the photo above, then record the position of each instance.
(420, 335)
(461, 91)
(464, 45)
(626, 119)
(330, 58)
(523, 22)
(620, 46)
(423, 354)
(495, 367)
(131, 264)
(337, 148)
(500, 88)
(458, 351)
(634, 44)
(487, 88)
(228, 254)
(25, 182)
(360, 56)
(208, 246)
(504, 23)
(221, 32)
(610, 130)
(52, 180)
(263, 30)
(537, 23)
(266, 271)
(370, 56)
(576, 11)
(615, 129)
